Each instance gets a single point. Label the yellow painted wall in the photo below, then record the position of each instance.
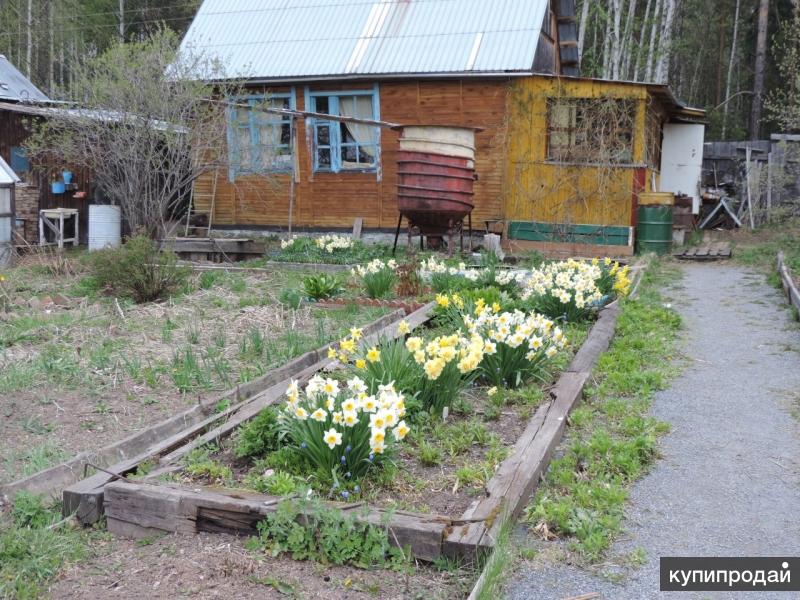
(543, 191)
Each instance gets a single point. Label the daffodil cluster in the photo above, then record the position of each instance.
(614, 278)
(431, 266)
(445, 366)
(565, 289)
(517, 346)
(374, 266)
(344, 427)
(331, 242)
(288, 243)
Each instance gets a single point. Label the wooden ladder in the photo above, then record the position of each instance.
(212, 197)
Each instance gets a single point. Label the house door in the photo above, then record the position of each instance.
(682, 160)
(5, 226)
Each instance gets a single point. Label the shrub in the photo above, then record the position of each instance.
(378, 277)
(138, 270)
(321, 286)
(259, 435)
(344, 430)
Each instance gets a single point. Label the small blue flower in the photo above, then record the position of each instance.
(344, 460)
(345, 494)
(371, 457)
(348, 449)
(303, 445)
(335, 485)
(357, 489)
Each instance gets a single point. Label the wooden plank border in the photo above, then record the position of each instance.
(787, 281)
(516, 478)
(85, 497)
(142, 509)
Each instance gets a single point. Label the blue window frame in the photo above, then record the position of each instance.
(258, 141)
(340, 145)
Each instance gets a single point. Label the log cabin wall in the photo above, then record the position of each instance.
(333, 200)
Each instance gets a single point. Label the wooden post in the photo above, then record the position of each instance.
(769, 187)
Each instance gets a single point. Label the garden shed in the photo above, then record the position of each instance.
(21, 104)
(559, 158)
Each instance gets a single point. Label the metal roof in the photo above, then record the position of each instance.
(275, 39)
(14, 86)
(7, 176)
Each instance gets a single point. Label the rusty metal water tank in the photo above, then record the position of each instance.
(435, 176)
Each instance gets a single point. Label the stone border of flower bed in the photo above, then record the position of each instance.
(788, 282)
(85, 498)
(144, 507)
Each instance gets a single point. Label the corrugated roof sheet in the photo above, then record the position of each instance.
(15, 86)
(7, 176)
(273, 39)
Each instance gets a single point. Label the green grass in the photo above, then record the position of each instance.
(770, 240)
(612, 441)
(34, 549)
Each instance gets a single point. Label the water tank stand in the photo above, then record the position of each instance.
(455, 228)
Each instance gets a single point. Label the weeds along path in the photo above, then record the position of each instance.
(728, 483)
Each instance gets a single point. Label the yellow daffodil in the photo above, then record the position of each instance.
(491, 391)
(356, 333)
(331, 352)
(301, 413)
(403, 328)
(348, 345)
(442, 300)
(373, 355)
(413, 344)
(319, 415)
(361, 363)
(337, 418)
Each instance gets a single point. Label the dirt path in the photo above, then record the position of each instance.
(729, 480)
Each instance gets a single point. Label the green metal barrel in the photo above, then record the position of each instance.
(654, 228)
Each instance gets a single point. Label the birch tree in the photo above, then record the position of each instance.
(760, 66)
(731, 62)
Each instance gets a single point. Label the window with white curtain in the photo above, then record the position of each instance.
(343, 145)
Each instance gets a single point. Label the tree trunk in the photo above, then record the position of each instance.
(121, 20)
(720, 50)
(730, 68)
(642, 36)
(664, 46)
(607, 49)
(582, 28)
(616, 40)
(758, 78)
(29, 47)
(648, 74)
(627, 46)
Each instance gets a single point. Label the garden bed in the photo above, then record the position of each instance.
(80, 370)
(469, 524)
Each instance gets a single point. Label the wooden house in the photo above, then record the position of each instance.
(549, 167)
(21, 104)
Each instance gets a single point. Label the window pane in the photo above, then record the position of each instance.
(321, 104)
(323, 134)
(324, 158)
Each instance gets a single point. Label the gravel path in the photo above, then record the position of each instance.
(729, 480)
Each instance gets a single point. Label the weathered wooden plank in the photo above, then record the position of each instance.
(787, 280)
(702, 251)
(205, 246)
(516, 478)
(134, 509)
(598, 339)
(85, 498)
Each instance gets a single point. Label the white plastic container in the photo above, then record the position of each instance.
(105, 226)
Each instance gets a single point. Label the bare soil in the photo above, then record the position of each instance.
(78, 373)
(218, 566)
